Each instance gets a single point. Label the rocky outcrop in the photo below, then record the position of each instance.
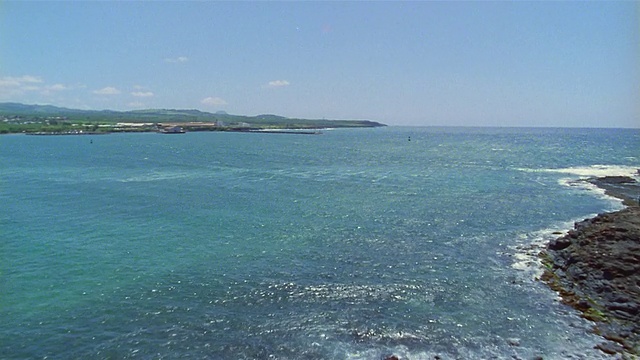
(596, 269)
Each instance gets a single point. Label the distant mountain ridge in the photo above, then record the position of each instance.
(18, 108)
(12, 109)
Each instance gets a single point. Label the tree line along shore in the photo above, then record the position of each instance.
(45, 119)
(97, 128)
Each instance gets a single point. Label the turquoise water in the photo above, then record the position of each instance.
(354, 244)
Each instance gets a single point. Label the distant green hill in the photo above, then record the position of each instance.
(17, 113)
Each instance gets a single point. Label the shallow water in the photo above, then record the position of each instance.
(350, 245)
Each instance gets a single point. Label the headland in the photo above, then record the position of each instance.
(596, 269)
(52, 120)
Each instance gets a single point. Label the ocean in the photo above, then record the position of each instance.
(353, 244)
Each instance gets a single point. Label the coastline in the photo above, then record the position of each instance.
(295, 131)
(595, 268)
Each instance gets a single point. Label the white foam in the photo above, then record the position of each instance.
(592, 170)
(162, 176)
(580, 173)
(580, 184)
(526, 257)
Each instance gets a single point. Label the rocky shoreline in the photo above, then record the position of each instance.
(596, 269)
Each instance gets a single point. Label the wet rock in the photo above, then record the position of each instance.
(616, 180)
(560, 243)
(596, 269)
(622, 187)
(513, 341)
(629, 308)
(609, 348)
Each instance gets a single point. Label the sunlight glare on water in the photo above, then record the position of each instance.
(354, 244)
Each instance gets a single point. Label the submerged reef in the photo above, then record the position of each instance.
(596, 269)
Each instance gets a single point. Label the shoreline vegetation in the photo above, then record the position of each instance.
(18, 118)
(595, 268)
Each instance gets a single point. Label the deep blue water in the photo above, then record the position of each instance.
(354, 244)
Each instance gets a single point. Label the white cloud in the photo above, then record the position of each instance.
(214, 101)
(19, 81)
(278, 83)
(30, 79)
(11, 86)
(142, 94)
(57, 87)
(179, 59)
(109, 90)
(136, 104)
(51, 89)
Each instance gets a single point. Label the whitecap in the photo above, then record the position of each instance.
(526, 252)
(597, 170)
(160, 176)
(578, 175)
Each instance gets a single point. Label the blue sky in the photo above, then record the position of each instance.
(402, 63)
